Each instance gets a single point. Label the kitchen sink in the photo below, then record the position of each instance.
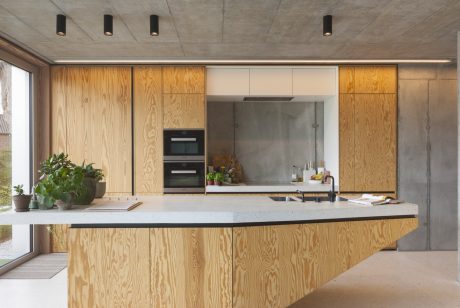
(285, 199)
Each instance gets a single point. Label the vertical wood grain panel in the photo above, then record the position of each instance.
(375, 79)
(99, 121)
(375, 142)
(59, 238)
(184, 111)
(274, 266)
(58, 109)
(346, 79)
(109, 268)
(148, 130)
(347, 142)
(191, 267)
(180, 80)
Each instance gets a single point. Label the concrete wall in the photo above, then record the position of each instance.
(427, 153)
(266, 137)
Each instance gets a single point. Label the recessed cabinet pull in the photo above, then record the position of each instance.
(183, 139)
(183, 171)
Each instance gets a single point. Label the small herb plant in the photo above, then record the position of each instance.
(19, 190)
(219, 177)
(210, 176)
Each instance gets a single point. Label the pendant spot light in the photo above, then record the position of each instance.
(154, 26)
(108, 25)
(327, 25)
(61, 25)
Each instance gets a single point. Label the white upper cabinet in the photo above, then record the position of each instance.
(227, 81)
(314, 81)
(270, 81)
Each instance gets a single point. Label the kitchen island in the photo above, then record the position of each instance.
(215, 251)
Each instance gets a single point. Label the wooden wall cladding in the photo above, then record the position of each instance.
(58, 109)
(109, 268)
(191, 267)
(184, 111)
(148, 130)
(184, 80)
(275, 266)
(368, 128)
(92, 105)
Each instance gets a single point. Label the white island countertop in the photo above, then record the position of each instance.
(211, 210)
(270, 188)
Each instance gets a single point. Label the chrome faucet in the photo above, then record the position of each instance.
(332, 195)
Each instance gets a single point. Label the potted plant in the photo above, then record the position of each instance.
(61, 181)
(219, 178)
(21, 201)
(91, 178)
(100, 185)
(210, 178)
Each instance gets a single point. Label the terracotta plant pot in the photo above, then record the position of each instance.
(21, 203)
(100, 189)
(210, 182)
(218, 183)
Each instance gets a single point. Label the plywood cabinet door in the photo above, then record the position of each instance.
(183, 80)
(148, 130)
(184, 111)
(93, 106)
(375, 142)
(368, 120)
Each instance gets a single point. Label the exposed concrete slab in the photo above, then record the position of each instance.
(362, 29)
(443, 160)
(413, 155)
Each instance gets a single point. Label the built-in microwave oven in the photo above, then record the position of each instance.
(183, 145)
(184, 177)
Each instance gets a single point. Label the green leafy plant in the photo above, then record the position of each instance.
(92, 172)
(54, 163)
(219, 177)
(61, 179)
(210, 176)
(19, 190)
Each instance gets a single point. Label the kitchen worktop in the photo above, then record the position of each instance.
(211, 210)
(269, 188)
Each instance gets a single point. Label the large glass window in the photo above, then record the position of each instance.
(15, 155)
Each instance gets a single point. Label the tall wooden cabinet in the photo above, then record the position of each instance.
(184, 97)
(91, 120)
(368, 128)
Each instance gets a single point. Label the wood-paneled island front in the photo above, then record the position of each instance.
(216, 251)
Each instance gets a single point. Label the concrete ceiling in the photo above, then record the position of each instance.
(235, 29)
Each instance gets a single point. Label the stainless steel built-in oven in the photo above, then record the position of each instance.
(183, 145)
(184, 177)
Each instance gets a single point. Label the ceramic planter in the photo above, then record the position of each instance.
(90, 192)
(210, 182)
(45, 203)
(66, 202)
(21, 203)
(100, 189)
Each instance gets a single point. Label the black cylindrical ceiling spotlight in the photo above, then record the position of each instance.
(60, 25)
(154, 26)
(327, 25)
(108, 25)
